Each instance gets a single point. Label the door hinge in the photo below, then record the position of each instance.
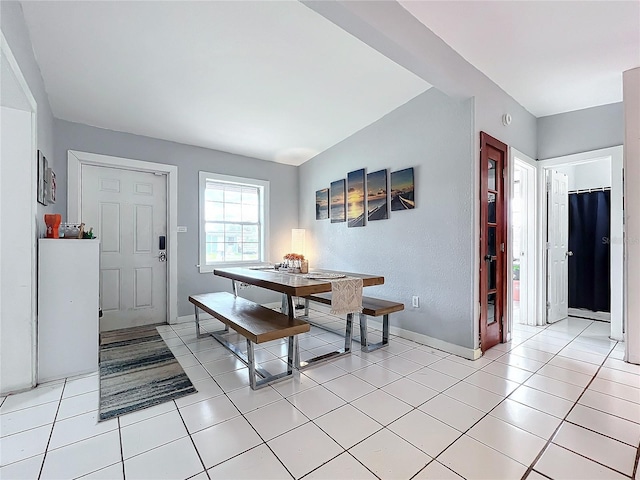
(548, 305)
(502, 247)
(548, 245)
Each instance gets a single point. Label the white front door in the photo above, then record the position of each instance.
(557, 246)
(128, 212)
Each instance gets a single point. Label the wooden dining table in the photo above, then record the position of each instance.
(298, 285)
(290, 284)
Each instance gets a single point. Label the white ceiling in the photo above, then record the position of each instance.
(550, 56)
(270, 80)
(278, 81)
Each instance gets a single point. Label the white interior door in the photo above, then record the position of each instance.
(128, 212)
(557, 246)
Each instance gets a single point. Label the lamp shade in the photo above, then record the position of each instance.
(297, 240)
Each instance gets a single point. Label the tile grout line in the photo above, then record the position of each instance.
(489, 412)
(564, 419)
(124, 475)
(190, 438)
(46, 450)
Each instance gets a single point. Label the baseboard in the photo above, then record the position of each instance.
(468, 353)
(591, 315)
(635, 359)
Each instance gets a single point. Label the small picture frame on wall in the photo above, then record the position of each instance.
(42, 178)
(402, 190)
(51, 186)
(337, 207)
(322, 204)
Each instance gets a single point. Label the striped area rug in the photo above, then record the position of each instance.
(137, 370)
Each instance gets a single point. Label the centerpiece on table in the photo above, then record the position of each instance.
(295, 262)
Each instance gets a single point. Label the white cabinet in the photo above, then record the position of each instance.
(68, 303)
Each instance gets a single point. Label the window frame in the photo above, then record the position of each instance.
(263, 189)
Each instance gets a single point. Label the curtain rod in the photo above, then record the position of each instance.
(589, 190)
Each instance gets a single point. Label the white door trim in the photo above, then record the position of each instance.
(33, 231)
(76, 159)
(535, 261)
(617, 259)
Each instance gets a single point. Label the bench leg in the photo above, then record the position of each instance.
(293, 358)
(198, 334)
(338, 353)
(364, 341)
(306, 307)
(251, 364)
(293, 355)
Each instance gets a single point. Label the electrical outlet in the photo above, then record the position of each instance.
(415, 301)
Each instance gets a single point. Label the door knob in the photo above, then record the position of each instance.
(569, 254)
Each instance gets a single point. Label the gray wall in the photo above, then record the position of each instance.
(580, 131)
(596, 174)
(427, 251)
(190, 160)
(15, 31)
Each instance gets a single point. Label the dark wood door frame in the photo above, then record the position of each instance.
(493, 231)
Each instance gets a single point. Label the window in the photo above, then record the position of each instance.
(233, 226)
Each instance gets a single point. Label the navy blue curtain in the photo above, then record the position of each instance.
(589, 228)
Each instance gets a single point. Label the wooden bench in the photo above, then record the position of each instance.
(373, 307)
(257, 324)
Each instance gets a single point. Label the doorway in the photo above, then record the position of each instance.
(76, 163)
(597, 170)
(493, 241)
